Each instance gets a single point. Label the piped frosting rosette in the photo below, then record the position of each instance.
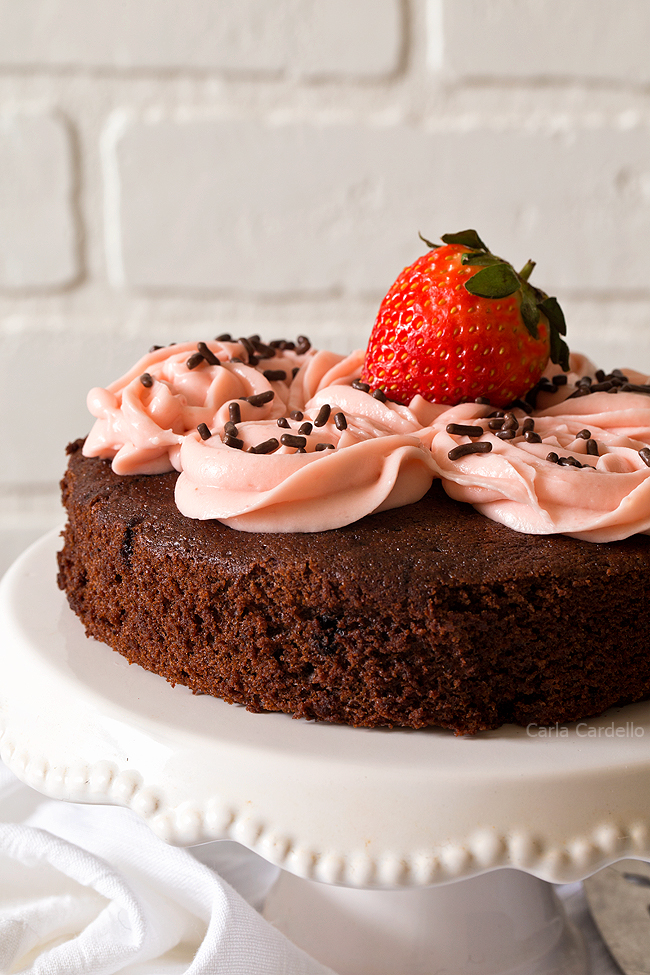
(143, 417)
(285, 438)
(579, 470)
(337, 454)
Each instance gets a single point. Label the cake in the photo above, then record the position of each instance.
(427, 614)
(258, 523)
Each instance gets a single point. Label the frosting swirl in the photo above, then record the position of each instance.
(362, 457)
(340, 453)
(515, 484)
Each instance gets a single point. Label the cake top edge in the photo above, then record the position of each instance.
(466, 378)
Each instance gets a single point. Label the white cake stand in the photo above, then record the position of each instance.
(369, 826)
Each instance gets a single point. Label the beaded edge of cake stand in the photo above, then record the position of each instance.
(190, 824)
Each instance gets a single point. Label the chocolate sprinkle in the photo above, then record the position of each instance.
(340, 422)
(521, 404)
(194, 360)
(357, 384)
(592, 447)
(644, 454)
(528, 424)
(496, 423)
(234, 412)
(483, 400)
(224, 337)
(297, 415)
(274, 375)
(478, 447)
(464, 430)
(248, 345)
(584, 434)
(531, 437)
(265, 448)
(323, 415)
(295, 371)
(204, 431)
(233, 442)
(154, 348)
(559, 380)
(260, 399)
(146, 379)
(283, 422)
(262, 350)
(552, 457)
(208, 354)
(289, 440)
(305, 428)
(506, 434)
(302, 345)
(324, 446)
(573, 462)
(379, 394)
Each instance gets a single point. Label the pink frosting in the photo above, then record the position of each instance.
(376, 463)
(386, 456)
(516, 485)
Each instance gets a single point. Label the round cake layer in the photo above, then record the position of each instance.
(429, 614)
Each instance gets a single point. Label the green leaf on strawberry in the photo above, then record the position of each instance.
(530, 311)
(555, 315)
(480, 259)
(424, 240)
(496, 281)
(461, 323)
(469, 238)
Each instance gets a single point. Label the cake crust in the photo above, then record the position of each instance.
(425, 615)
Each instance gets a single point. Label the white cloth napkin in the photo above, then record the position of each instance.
(89, 890)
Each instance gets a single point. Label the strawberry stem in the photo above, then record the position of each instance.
(527, 270)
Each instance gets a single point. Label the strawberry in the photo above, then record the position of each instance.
(461, 323)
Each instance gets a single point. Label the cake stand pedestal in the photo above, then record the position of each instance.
(402, 852)
(504, 921)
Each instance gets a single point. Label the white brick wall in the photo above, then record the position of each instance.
(558, 39)
(38, 233)
(311, 37)
(171, 170)
(338, 207)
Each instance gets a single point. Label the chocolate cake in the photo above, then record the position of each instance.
(426, 614)
(447, 529)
